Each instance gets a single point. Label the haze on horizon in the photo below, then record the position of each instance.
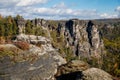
(61, 9)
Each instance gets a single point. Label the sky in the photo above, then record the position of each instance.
(61, 9)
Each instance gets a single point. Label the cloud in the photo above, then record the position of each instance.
(53, 13)
(14, 7)
(60, 5)
(62, 13)
(106, 15)
(15, 3)
(118, 10)
(7, 3)
(28, 9)
(30, 2)
(57, 11)
(6, 12)
(115, 14)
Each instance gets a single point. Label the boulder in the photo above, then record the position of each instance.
(71, 70)
(96, 74)
(36, 63)
(79, 70)
(33, 39)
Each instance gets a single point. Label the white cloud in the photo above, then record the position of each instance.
(7, 3)
(22, 7)
(13, 3)
(58, 11)
(64, 13)
(118, 10)
(30, 2)
(60, 5)
(105, 15)
(53, 13)
(6, 12)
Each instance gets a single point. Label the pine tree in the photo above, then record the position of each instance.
(28, 28)
(2, 30)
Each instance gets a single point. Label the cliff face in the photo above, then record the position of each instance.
(83, 37)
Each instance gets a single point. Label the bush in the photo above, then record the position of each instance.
(5, 52)
(112, 56)
(2, 40)
(22, 45)
(1, 49)
(41, 32)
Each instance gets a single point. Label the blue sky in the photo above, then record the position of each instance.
(61, 9)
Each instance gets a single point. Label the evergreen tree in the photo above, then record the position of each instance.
(28, 28)
(2, 30)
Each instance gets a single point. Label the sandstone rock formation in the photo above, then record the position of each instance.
(21, 25)
(33, 39)
(96, 74)
(36, 63)
(79, 70)
(84, 37)
(39, 22)
(72, 66)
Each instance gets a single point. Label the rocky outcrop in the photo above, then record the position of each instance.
(96, 74)
(44, 68)
(33, 39)
(79, 70)
(21, 25)
(83, 37)
(72, 66)
(39, 22)
(36, 63)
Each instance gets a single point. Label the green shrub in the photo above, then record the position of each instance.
(5, 52)
(117, 72)
(40, 32)
(112, 56)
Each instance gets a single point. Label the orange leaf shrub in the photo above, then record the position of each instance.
(22, 45)
(1, 49)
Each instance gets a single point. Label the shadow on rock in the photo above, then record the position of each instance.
(71, 76)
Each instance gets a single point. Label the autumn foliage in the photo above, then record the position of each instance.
(22, 45)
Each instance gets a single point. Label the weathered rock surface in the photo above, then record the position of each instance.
(36, 63)
(83, 37)
(33, 39)
(44, 68)
(96, 74)
(71, 70)
(79, 70)
(73, 66)
(21, 25)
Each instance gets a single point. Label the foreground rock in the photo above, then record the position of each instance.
(79, 70)
(36, 63)
(96, 74)
(44, 68)
(71, 70)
